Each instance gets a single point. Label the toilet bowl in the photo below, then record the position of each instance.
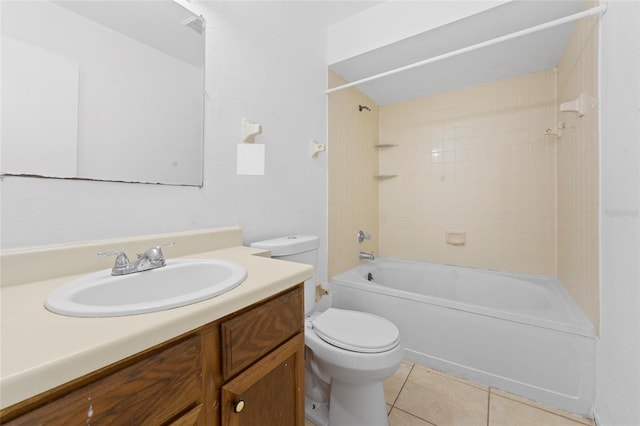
(354, 352)
(348, 354)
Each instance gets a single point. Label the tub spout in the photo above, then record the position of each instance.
(366, 256)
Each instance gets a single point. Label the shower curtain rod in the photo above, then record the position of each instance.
(570, 18)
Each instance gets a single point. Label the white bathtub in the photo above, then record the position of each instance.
(520, 333)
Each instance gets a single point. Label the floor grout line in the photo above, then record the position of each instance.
(417, 417)
(406, 379)
(488, 405)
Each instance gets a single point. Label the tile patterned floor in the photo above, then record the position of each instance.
(418, 396)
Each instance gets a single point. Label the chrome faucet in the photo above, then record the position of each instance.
(366, 256)
(151, 259)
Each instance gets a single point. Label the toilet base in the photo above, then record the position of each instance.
(357, 405)
(350, 405)
(318, 413)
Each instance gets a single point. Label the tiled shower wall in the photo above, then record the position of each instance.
(578, 170)
(475, 160)
(353, 162)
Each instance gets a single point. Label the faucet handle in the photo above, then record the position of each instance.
(363, 236)
(122, 261)
(154, 254)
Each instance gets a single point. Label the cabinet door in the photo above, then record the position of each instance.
(269, 393)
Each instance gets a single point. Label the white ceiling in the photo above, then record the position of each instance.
(528, 54)
(327, 12)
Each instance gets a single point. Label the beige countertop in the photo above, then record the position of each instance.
(40, 350)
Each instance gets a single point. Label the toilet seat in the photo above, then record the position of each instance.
(356, 331)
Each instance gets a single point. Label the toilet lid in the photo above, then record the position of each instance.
(356, 331)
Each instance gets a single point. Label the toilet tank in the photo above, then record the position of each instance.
(296, 248)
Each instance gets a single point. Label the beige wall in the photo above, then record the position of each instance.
(475, 160)
(353, 162)
(578, 171)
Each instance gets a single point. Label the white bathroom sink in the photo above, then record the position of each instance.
(179, 283)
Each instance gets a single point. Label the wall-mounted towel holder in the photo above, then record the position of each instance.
(250, 129)
(316, 148)
(581, 105)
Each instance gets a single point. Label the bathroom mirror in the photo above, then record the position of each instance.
(102, 90)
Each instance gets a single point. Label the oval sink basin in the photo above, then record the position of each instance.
(179, 283)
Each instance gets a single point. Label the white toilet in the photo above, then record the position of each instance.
(349, 354)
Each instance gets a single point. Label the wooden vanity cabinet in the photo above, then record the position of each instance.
(244, 369)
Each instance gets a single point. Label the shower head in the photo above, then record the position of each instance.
(361, 107)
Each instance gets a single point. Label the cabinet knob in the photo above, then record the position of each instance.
(238, 405)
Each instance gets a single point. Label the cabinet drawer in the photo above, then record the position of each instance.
(251, 335)
(152, 391)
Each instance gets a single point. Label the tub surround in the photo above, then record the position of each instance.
(477, 159)
(41, 350)
(578, 171)
(353, 163)
(474, 160)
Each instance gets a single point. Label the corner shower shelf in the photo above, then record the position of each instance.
(385, 145)
(381, 177)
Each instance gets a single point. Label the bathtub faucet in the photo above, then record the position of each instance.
(366, 256)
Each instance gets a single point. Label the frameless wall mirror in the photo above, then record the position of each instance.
(102, 90)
